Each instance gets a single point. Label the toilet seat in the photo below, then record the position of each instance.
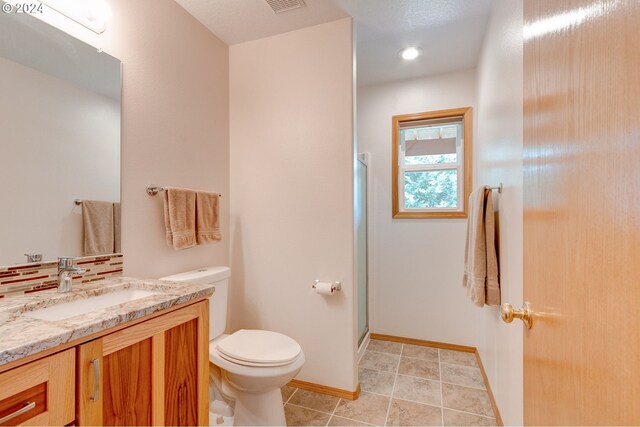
(258, 348)
(252, 364)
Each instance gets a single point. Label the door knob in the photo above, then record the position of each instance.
(525, 314)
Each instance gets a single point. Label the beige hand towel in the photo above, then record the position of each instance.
(481, 262)
(116, 228)
(97, 218)
(180, 217)
(207, 217)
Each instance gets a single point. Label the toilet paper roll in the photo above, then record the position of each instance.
(324, 288)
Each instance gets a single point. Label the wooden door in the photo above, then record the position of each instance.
(153, 373)
(582, 211)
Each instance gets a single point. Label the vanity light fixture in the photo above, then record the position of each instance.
(92, 14)
(410, 53)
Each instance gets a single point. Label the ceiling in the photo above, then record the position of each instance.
(237, 21)
(449, 32)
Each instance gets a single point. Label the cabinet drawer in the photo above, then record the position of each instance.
(40, 392)
(22, 406)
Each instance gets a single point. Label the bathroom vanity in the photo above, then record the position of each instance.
(121, 352)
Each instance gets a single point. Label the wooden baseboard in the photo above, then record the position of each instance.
(442, 345)
(447, 346)
(323, 389)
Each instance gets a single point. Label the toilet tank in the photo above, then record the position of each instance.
(218, 276)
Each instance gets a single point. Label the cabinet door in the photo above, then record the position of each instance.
(153, 373)
(40, 392)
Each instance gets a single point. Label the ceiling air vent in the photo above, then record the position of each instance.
(279, 6)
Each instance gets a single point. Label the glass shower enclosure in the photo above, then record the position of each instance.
(361, 245)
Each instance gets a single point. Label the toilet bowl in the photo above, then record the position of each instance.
(254, 386)
(248, 367)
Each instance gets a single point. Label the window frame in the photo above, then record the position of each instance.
(465, 168)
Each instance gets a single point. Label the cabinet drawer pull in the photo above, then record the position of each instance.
(96, 380)
(26, 408)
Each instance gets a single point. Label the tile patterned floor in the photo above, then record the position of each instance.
(402, 385)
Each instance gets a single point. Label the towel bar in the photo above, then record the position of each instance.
(152, 190)
(499, 188)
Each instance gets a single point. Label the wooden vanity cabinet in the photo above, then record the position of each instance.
(153, 373)
(39, 393)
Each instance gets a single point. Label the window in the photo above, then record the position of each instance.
(432, 164)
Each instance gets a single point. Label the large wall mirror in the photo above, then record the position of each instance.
(60, 139)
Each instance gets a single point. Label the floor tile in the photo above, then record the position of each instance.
(380, 361)
(455, 418)
(287, 392)
(417, 390)
(462, 375)
(420, 352)
(339, 421)
(419, 368)
(299, 416)
(313, 400)
(403, 413)
(416, 384)
(369, 408)
(385, 346)
(458, 358)
(376, 381)
(466, 399)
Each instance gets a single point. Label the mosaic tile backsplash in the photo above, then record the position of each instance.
(34, 277)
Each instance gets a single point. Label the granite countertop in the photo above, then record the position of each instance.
(22, 336)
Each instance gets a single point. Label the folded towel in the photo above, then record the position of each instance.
(180, 217)
(116, 228)
(207, 217)
(97, 218)
(481, 261)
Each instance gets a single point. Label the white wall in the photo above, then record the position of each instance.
(175, 124)
(499, 158)
(292, 193)
(415, 265)
(60, 142)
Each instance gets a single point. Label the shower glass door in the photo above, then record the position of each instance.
(361, 246)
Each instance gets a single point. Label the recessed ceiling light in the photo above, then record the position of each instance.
(410, 53)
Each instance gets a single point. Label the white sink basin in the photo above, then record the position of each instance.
(69, 309)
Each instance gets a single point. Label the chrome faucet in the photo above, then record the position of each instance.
(65, 273)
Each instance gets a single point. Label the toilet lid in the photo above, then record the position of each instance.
(257, 347)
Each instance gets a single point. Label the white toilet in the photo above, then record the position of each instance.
(248, 367)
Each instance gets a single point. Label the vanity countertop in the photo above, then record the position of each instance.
(21, 335)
